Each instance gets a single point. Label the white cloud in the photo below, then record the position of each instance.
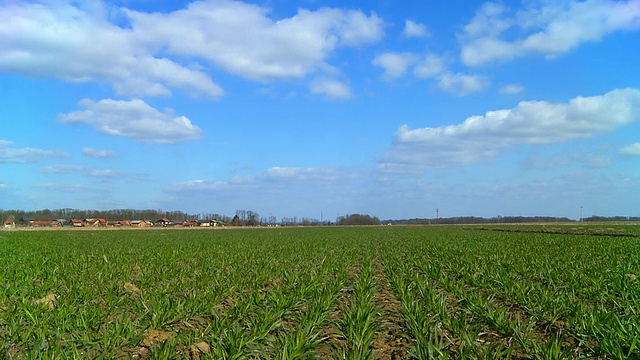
(3, 186)
(243, 39)
(633, 149)
(530, 122)
(332, 89)
(10, 154)
(95, 153)
(272, 177)
(564, 160)
(59, 40)
(462, 84)
(62, 169)
(511, 89)
(134, 119)
(413, 29)
(395, 65)
(550, 29)
(275, 189)
(70, 169)
(71, 188)
(141, 57)
(429, 66)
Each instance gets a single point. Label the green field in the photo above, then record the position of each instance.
(354, 293)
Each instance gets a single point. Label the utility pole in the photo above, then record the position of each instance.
(581, 214)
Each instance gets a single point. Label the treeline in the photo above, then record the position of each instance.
(117, 214)
(506, 220)
(240, 218)
(611, 218)
(479, 220)
(358, 219)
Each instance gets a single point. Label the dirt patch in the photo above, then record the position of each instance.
(49, 301)
(198, 349)
(152, 337)
(132, 289)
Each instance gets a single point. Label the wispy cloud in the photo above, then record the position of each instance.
(530, 122)
(319, 187)
(77, 169)
(330, 88)
(70, 188)
(633, 149)
(96, 153)
(511, 89)
(394, 65)
(135, 119)
(11, 154)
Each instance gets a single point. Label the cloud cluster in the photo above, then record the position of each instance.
(547, 28)
(11, 154)
(79, 42)
(530, 122)
(134, 119)
(243, 40)
(396, 65)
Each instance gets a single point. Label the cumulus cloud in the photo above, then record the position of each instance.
(633, 149)
(11, 154)
(330, 88)
(413, 29)
(429, 66)
(96, 153)
(135, 119)
(395, 65)
(530, 122)
(243, 39)
(462, 84)
(511, 89)
(139, 55)
(550, 29)
(59, 40)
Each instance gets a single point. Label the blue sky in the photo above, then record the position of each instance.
(393, 109)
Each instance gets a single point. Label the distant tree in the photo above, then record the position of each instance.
(358, 219)
(252, 218)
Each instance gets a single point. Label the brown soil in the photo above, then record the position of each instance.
(49, 301)
(390, 341)
(132, 289)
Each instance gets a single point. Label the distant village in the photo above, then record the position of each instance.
(101, 222)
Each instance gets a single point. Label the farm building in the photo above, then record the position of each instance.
(164, 222)
(138, 223)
